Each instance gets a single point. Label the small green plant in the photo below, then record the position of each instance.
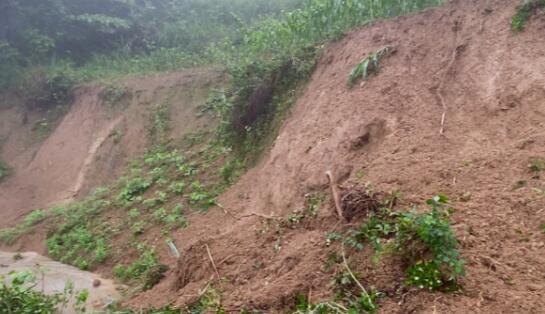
(18, 296)
(177, 187)
(524, 11)
(138, 227)
(369, 65)
(536, 165)
(146, 269)
(428, 238)
(519, 184)
(112, 94)
(4, 170)
(425, 275)
(160, 120)
(133, 188)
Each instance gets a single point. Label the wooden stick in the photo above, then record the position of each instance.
(350, 271)
(336, 194)
(213, 263)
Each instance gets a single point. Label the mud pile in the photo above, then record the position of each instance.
(460, 61)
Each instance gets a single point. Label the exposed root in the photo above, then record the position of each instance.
(336, 195)
(357, 200)
(213, 263)
(442, 83)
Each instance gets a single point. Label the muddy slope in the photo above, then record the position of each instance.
(96, 139)
(460, 59)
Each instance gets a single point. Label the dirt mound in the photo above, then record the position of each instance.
(461, 62)
(96, 139)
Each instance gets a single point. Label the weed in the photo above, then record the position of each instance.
(17, 297)
(210, 302)
(112, 94)
(133, 213)
(4, 170)
(138, 227)
(536, 165)
(133, 187)
(524, 11)
(430, 233)
(425, 275)
(146, 269)
(519, 184)
(369, 65)
(331, 237)
(160, 119)
(177, 187)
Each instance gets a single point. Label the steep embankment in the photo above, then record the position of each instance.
(461, 59)
(104, 129)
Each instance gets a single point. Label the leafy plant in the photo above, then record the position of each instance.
(428, 237)
(425, 275)
(369, 65)
(133, 188)
(524, 11)
(18, 296)
(146, 269)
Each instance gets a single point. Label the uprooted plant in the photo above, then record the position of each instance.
(369, 65)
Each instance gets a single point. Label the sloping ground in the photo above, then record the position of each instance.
(94, 141)
(461, 59)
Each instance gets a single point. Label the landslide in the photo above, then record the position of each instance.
(460, 60)
(106, 126)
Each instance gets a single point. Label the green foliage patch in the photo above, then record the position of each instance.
(369, 65)
(524, 11)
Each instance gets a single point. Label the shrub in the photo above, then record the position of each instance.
(428, 241)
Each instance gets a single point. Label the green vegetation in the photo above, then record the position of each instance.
(97, 39)
(146, 269)
(369, 65)
(536, 165)
(9, 235)
(4, 170)
(524, 11)
(17, 296)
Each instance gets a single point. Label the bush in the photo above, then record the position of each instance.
(17, 296)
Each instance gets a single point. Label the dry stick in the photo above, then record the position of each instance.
(350, 271)
(213, 263)
(441, 86)
(335, 193)
(244, 216)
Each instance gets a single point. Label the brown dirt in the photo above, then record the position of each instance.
(492, 84)
(94, 141)
(462, 57)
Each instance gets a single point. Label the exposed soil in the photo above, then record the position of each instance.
(461, 60)
(94, 141)
(491, 82)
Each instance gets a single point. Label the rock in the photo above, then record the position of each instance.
(534, 287)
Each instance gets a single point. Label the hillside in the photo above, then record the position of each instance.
(491, 81)
(457, 109)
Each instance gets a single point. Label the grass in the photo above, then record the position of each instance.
(524, 12)
(146, 270)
